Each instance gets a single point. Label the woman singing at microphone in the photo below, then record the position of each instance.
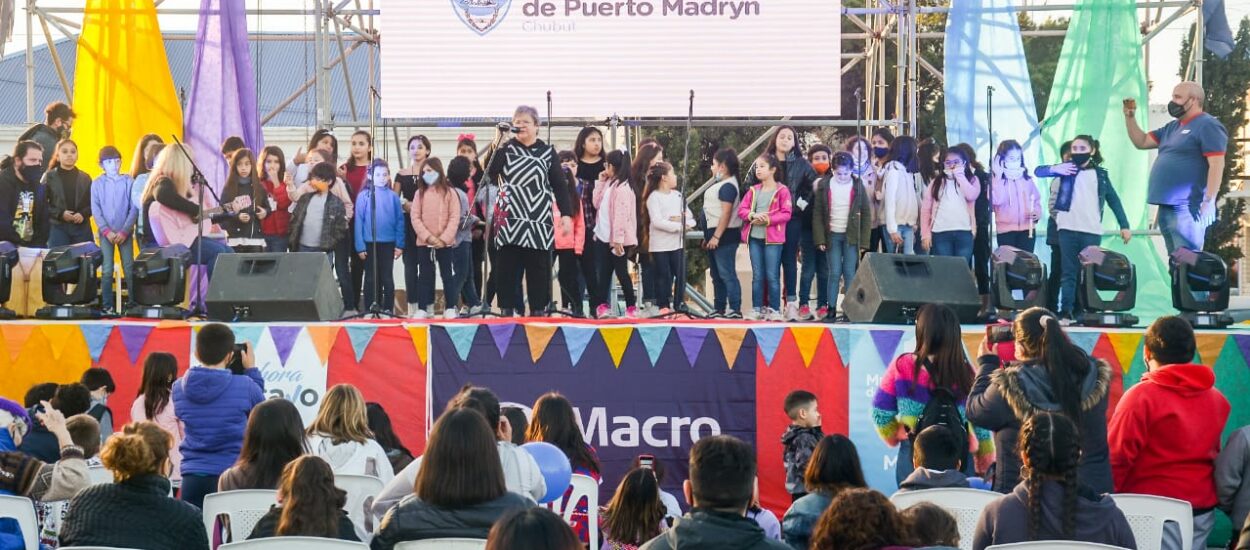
(523, 228)
(171, 212)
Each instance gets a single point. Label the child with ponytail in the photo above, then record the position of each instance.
(570, 245)
(615, 231)
(663, 235)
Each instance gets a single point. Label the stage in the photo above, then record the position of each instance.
(640, 386)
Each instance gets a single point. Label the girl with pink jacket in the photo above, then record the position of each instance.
(766, 209)
(616, 230)
(435, 214)
(947, 215)
(1017, 203)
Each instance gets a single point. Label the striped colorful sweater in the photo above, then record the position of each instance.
(901, 399)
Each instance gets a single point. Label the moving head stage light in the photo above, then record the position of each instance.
(1019, 279)
(1104, 270)
(1200, 288)
(160, 283)
(71, 286)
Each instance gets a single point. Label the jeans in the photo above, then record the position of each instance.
(384, 253)
(1071, 243)
(350, 269)
(197, 486)
(1054, 279)
(128, 256)
(570, 277)
(534, 265)
(208, 250)
(670, 278)
(463, 266)
(876, 239)
(843, 261)
(722, 262)
(790, 260)
(426, 257)
(647, 276)
(276, 244)
(953, 243)
(765, 273)
(815, 265)
(908, 233)
(1018, 239)
(1176, 223)
(65, 234)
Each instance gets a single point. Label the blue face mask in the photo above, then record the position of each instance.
(429, 177)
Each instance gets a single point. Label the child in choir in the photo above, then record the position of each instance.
(463, 284)
(666, 220)
(379, 231)
(843, 210)
(615, 232)
(115, 215)
(68, 196)
(570, 246)
(1017, 203)
(766, 208)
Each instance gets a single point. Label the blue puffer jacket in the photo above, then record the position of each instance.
(214, 404)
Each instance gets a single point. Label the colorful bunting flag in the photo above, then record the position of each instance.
(692, 342)
(58, 336)
(462, 335)
(1085, 339)
(807, 339)
(134, 336)
(1243, 344)
(1209, 346)
(1125, 345)
(15, 337)
(539, 337)
(502, 333)
(616, 339)
(730, 343)
(323, 337)
(886, 342)
(420, 335)
(284, 337)
(768, 339)
(576, 339)
(653, 339)
(842, 339)
(360, 334)
(97, 336)
(248, 332)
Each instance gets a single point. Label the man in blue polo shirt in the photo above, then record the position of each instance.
(1185, 178)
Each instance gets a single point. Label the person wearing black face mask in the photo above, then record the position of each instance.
(23, 201)
(1185, 177)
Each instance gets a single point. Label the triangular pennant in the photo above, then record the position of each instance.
(539, 336)
(972, 344)
(653, 339)
(133, 338)
(15, 337)
(1209, 346)
(730, 343)
(462, 335)
(1125, 345)
(360, 334)
(807, 339)
(97, 336)
(886, 342)
(576, 339)
(842, 339)
(323, 337)
(692, 342)
(58, 336)
(248, 333)
(502, 333)
(284, 340)
(420, 335)
(1085, 339)
(1243, 344)
(616, 338)
(768, 339)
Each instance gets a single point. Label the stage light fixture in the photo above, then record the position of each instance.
(1104, 270)
(71, 266)
(159, 278)
(1200, 288)
(1019, 279)
(8, 259)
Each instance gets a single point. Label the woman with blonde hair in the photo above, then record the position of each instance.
(171, 214)
(136, 510)
(341, 436)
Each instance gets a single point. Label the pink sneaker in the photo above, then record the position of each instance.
(603, 311)
(664, 311)
(805, 313)
(822, 313)
(631, 312)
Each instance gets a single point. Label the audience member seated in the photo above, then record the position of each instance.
(15, 421)
(341, 436)
(1050, 503)
(1232, 477)
(70, 399)
(1178, 398)
(937, 455)
(534, 528)
(309, 505)
(460, 489)
(100, 383)
(274, 437)
(722, 479)
(931, 527)
(1054, 375)
(518, 423)
(384, 433)
(26, 476)
(833, 468)
(672, 508)
(762, 516)
(84, 431)
(635, 515)
(520, 471)
(40, 392)
(554, 422)
(136, 511)
(861, 518)
(160, 369)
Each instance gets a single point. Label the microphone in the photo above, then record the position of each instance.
(507, 127)
(858, 91)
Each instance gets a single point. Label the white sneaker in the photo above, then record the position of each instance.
(350, 313)
(451, 313)
(412, 310)
(791, 312)
(773, 315)
(421, 314)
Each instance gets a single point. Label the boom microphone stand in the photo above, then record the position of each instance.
(681, 309)
(376, 311)
(197, 177)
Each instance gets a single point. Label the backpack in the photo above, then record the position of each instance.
(943, 410)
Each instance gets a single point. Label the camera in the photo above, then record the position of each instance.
(999, 334)
(236, 362)
(646, 461)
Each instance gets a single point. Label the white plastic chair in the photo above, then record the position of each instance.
(243, 509)
(99, 475)
(1053, 545)
(964, 504)
(361, 492)
(285, 543)
(583, 487)
(442, 544)
(1146, 515)
(23, 510)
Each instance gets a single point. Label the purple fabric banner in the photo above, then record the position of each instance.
(223, 88)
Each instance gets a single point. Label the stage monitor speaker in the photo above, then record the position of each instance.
(294, 286)
(890, 288)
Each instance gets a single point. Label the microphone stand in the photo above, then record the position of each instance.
(859, 116)
(681, 309)
(488, 216)
(376, 311)
(197, 177)
(553, 306)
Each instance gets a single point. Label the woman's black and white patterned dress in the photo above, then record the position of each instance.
(531, 175)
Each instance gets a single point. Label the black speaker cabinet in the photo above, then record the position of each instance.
(890, 288)
(293, 286)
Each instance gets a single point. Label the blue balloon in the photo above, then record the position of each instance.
(555, 467)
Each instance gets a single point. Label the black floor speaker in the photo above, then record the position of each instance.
(890, 288)
(282, 286)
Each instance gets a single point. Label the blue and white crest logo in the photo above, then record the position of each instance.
(481, 15)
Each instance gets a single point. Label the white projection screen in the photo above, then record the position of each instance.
(634, 58)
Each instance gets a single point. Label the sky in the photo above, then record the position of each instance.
(1163, 66)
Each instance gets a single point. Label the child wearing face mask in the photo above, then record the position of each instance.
(115, 215)
(843, 209)
(435, 213)
(1084, 188)
(1017, 203)
(380, 234)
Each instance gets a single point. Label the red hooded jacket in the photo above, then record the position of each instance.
(1165, 434)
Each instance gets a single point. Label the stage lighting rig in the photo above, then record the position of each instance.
(1104, 270)
(71, 266)
(1200, 288)
(8, 259)
(1017, 273)
(159, 278)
